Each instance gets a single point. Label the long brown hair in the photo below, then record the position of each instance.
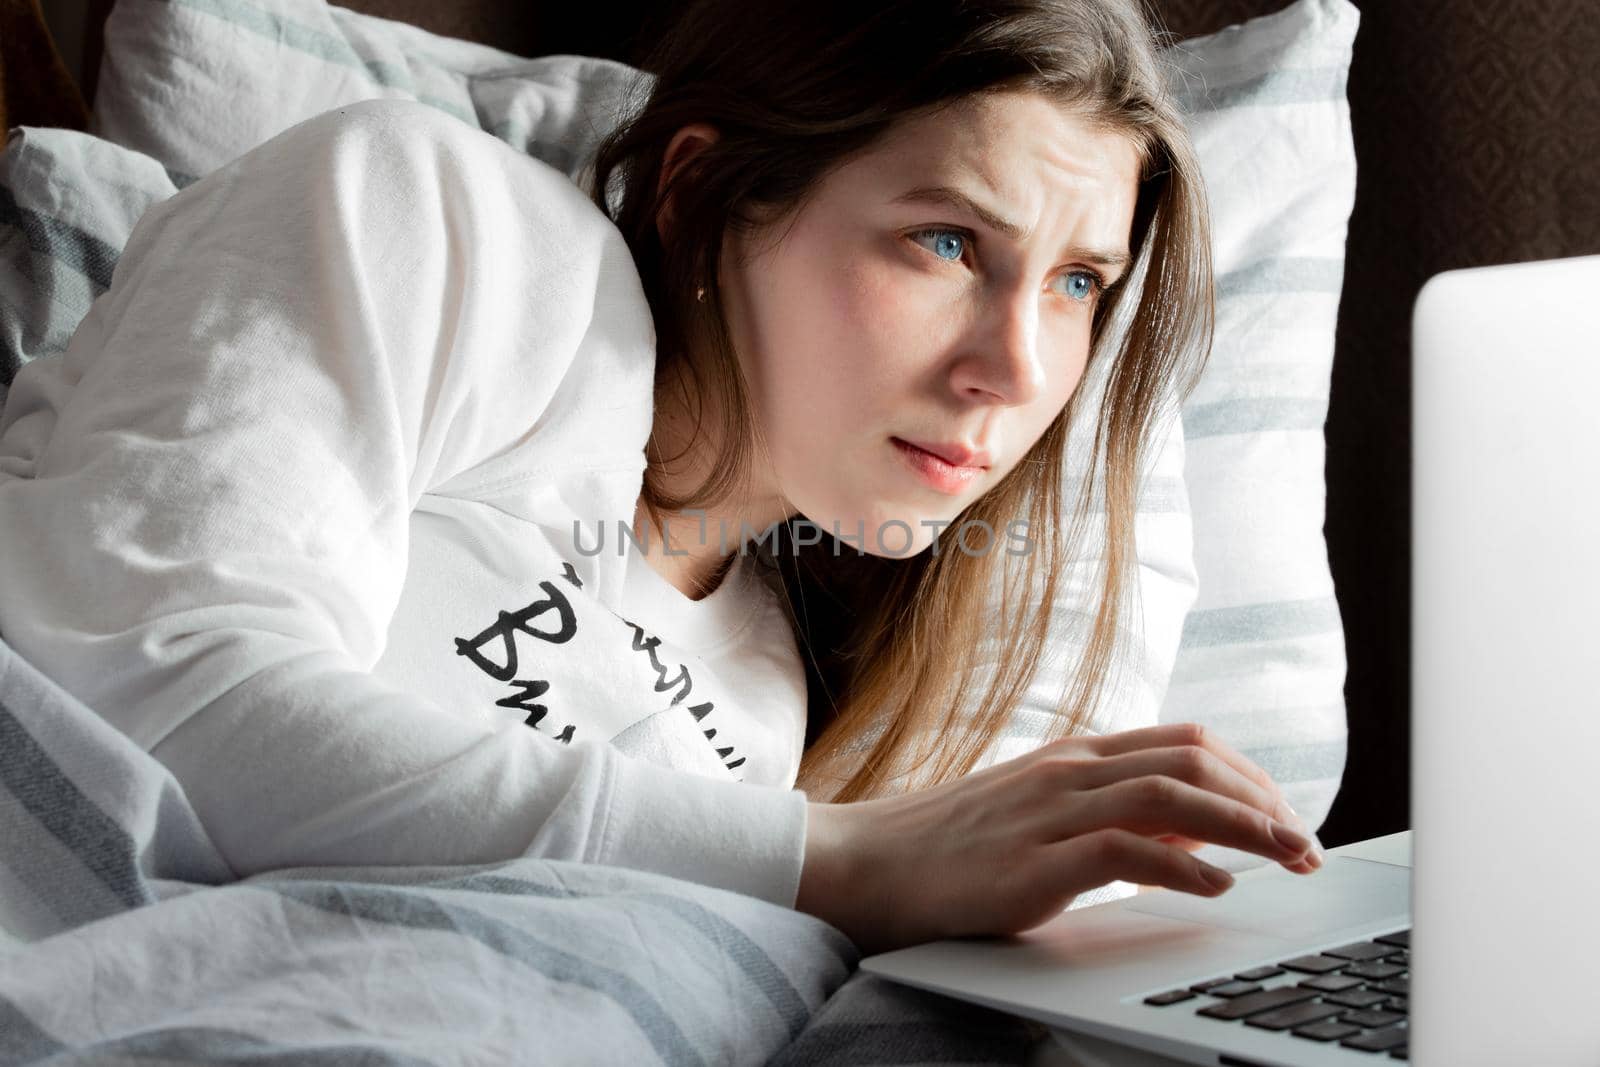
(897, 648)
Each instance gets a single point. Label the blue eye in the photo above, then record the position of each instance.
(948, 244)
(1083, 284)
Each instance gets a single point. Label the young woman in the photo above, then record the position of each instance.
(414, 508)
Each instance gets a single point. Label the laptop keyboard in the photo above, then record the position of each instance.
(1355, 995)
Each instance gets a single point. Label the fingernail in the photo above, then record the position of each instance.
(1216, 876)
(1290, 838)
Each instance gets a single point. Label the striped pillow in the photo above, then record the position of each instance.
(68, 202)
(1262, 657)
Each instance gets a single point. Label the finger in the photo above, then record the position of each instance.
(1162, 735)
(1188, 844)
(1168, 735)
(1187, 763)
(1155, 805)
(1091, 860)
(1307, 865)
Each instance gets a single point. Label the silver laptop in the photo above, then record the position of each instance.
(1504, 881)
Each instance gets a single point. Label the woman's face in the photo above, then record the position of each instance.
(936, 291)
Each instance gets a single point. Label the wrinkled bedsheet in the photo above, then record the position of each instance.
(124, 938)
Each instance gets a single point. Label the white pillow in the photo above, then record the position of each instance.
(1261, 657)
(196, 85)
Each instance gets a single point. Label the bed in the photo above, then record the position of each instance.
(126, 935)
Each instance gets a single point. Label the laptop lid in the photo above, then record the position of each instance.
(1506, 664)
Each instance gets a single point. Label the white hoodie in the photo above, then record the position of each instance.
(296, 511)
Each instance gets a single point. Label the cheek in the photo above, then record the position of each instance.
(875, 307)
(1072, 378)
(1072, 361)
(882, 332)
(831, 328)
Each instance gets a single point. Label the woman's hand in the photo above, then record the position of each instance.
(1008, 847)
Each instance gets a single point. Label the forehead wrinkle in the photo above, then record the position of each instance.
(1013, 231)
(961, 155)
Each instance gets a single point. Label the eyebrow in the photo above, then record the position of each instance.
(953, 197)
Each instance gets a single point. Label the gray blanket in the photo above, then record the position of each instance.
(124, 937)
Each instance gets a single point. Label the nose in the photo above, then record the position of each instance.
(1003, 362)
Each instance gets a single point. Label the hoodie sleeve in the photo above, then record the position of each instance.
(205, 503)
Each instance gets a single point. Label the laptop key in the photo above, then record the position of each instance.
(1401, 1053)
(1309, 1011)
(1360, 951)
(1360, 998)
(1205, 987)
(1374, 970)
(1253, 1003)
(1400, 987)
(1379, 1040)
(1314, 964)
(1327, 1030)
(1401, 938)
(1255, 974)
(1171, 996)
(1233, 989)
(1399, 1004)
(1370, 1020)
(1331, 983)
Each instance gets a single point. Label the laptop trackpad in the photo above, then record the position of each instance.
(1345, 892)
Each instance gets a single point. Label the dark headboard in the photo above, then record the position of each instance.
(1477, 142)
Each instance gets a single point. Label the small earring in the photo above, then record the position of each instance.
(700, 294)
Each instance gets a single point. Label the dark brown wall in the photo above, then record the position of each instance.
(36, 86)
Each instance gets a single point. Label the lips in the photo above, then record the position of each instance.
(937, 474)
(955, 453)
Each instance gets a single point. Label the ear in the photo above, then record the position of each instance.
(684, 146)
